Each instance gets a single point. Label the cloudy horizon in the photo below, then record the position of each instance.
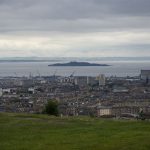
(74, 28)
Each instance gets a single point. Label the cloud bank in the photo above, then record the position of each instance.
(66, 28)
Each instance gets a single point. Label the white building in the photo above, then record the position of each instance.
(31, 90)
(120, 89)
(18, 82)
(1, 92)
(91, 80)
(104, 111)
(81, 80)
(101, 78)
(88, 80)
(6, 90)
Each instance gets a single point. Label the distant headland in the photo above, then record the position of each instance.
(74, 63)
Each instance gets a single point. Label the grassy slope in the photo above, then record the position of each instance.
(37, 132)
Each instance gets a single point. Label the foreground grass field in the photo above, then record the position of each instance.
(41, 132)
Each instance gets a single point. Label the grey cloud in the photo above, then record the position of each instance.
(75, 9)
(40, 17)
(127, 7)
(77, 26)
(73, 15)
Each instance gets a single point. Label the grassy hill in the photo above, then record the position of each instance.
(41, 132)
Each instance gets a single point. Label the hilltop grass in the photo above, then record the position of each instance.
(42, 132)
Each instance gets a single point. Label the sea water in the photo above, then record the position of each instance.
(116, 68)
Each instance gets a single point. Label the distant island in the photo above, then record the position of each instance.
(74, 63)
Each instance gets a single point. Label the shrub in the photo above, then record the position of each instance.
(51, 108)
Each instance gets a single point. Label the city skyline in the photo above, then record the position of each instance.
(74, 28)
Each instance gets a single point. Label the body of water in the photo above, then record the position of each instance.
(117, 68)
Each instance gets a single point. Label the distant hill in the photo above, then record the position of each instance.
(74, 63)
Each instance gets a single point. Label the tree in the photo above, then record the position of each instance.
(141, 115)
(51, 108)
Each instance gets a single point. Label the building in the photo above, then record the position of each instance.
(2, 108)
(124, 110)
(31, 90)
(91, 81)
(104, 111)
(81, 80)
(18, 82)
(114, 111)
(88, 80)
(1, 92)
(6, 91)
(120, 89)
(145, 75)
(101, 79)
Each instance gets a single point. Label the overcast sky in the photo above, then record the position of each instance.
(74, 28)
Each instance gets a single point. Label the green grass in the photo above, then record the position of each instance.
(41, 132)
